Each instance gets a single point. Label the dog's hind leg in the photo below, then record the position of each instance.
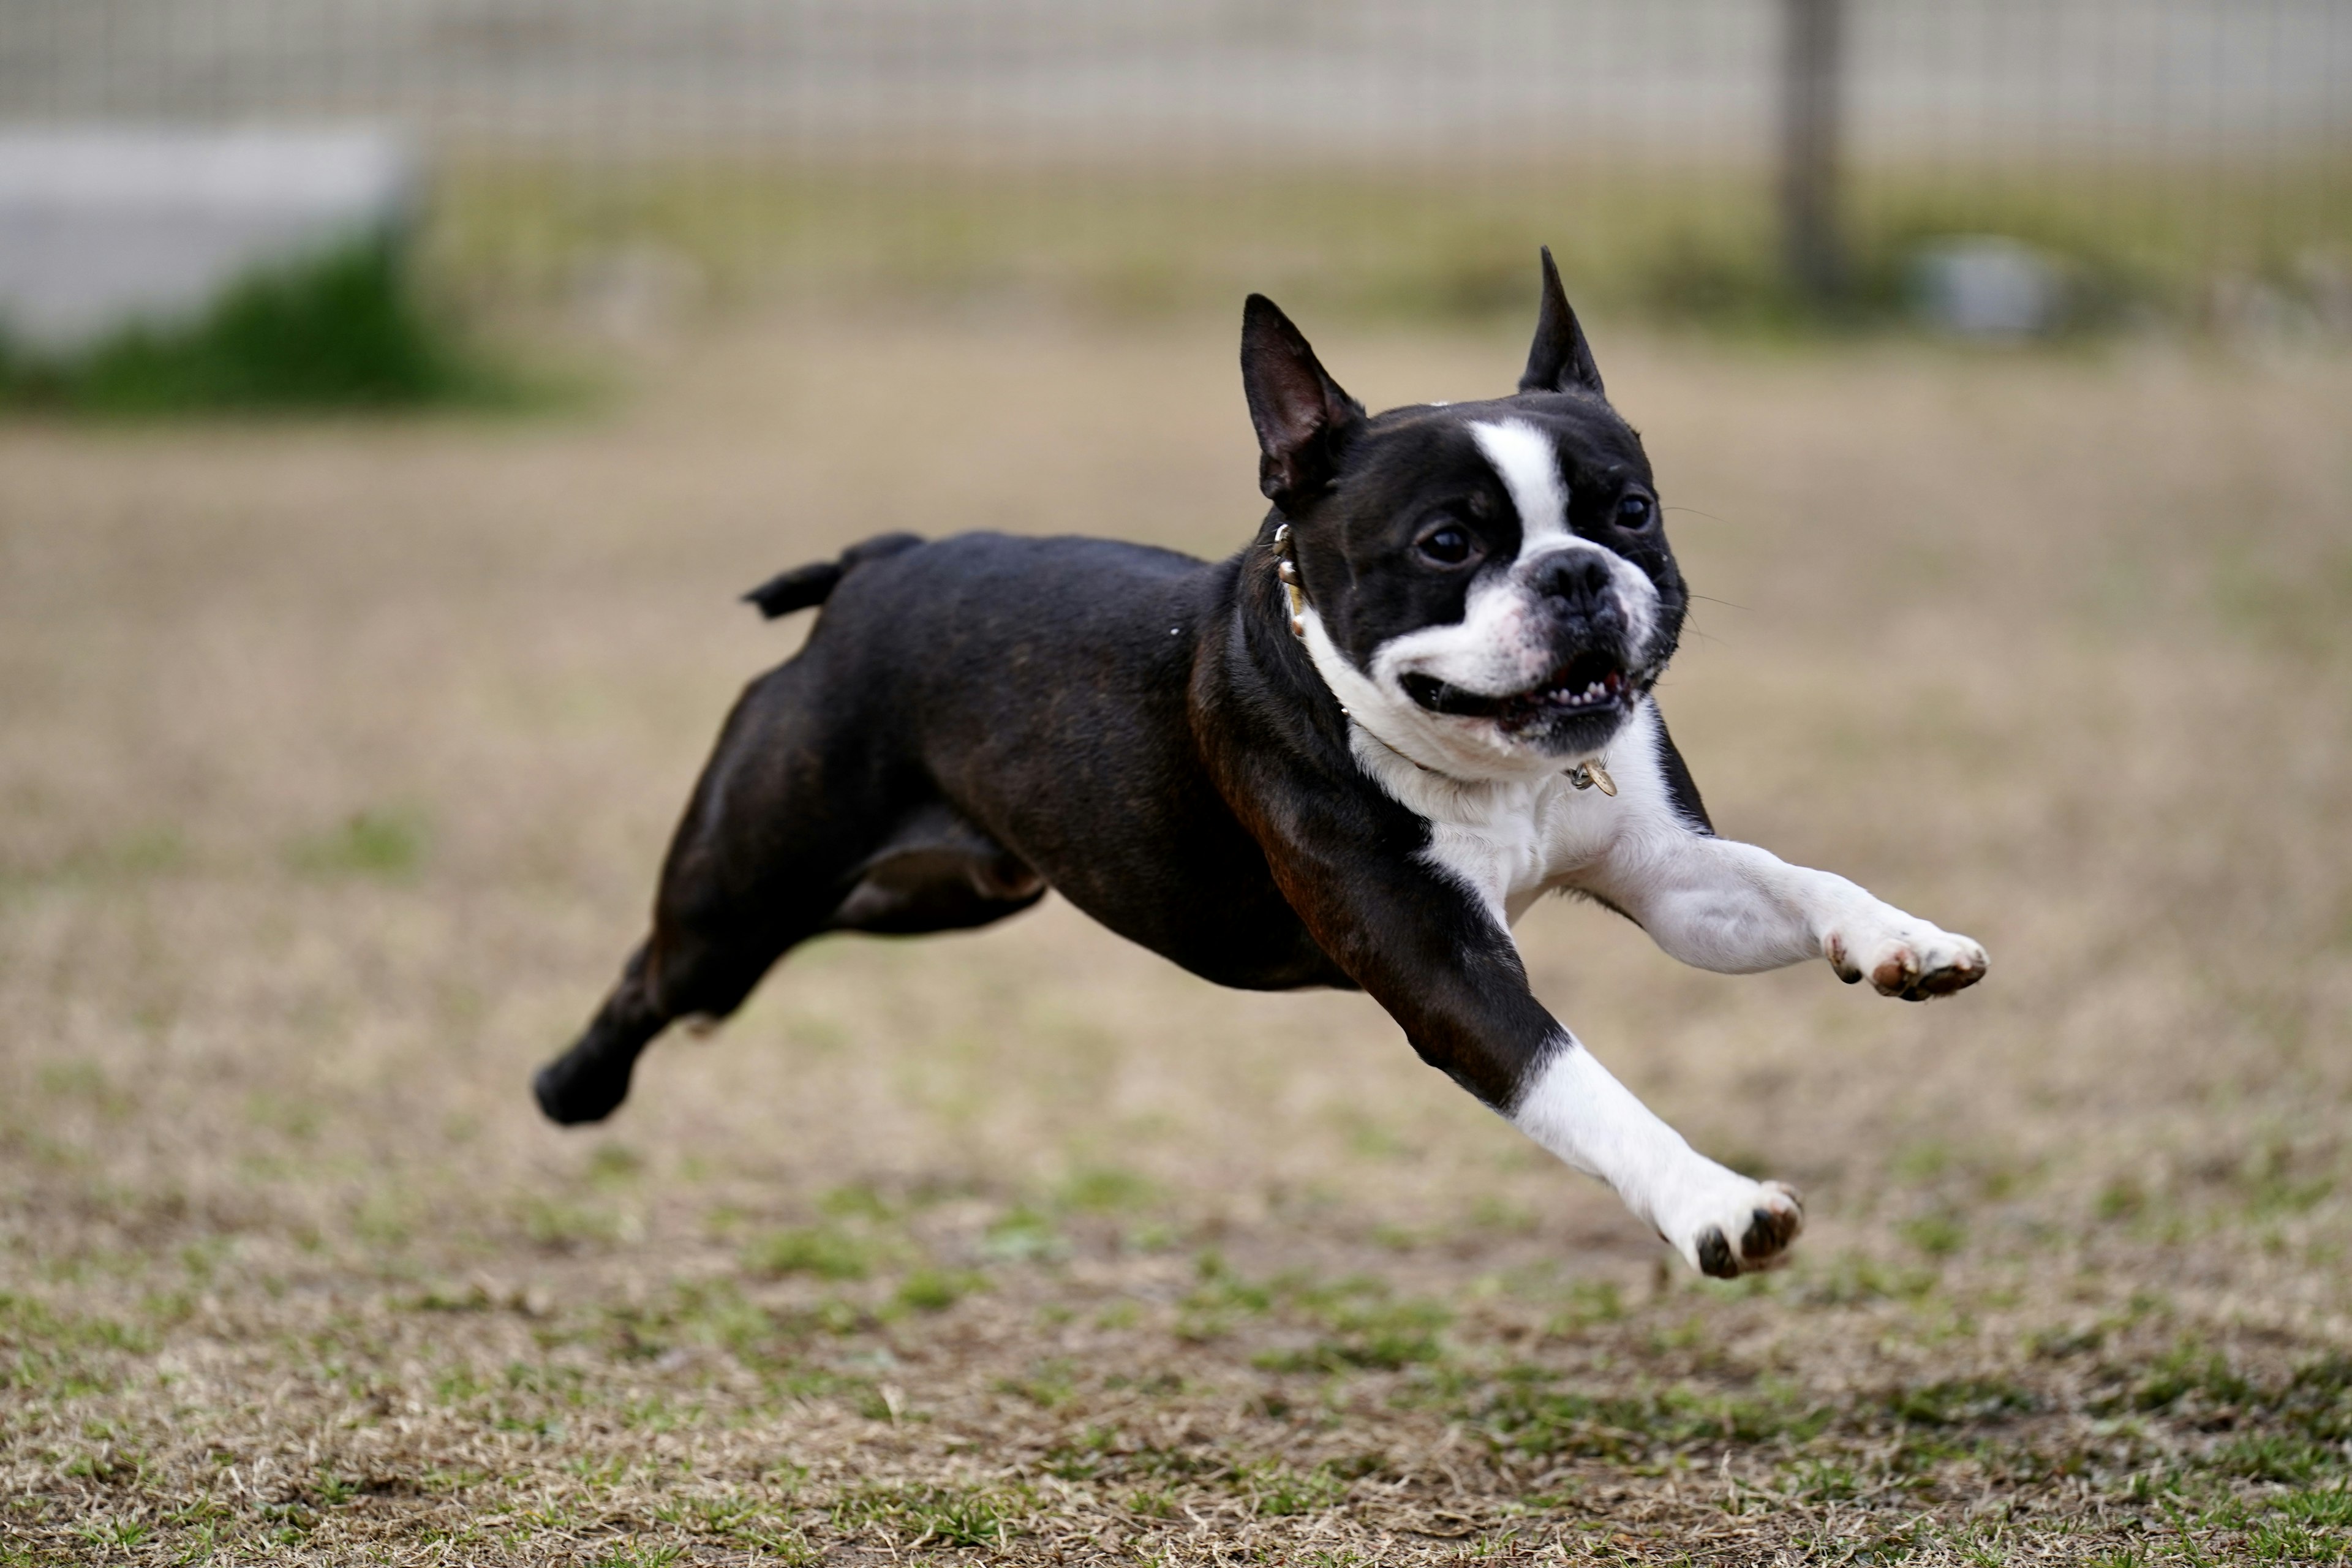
(686, 969)
(589, 1081)
(932, 871)
(785, 811)
(937, 871)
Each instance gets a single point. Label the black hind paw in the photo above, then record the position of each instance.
(572, 1093)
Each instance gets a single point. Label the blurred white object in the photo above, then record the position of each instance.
(1987, 286)
(102, 229)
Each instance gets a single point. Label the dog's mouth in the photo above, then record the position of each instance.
(1592, 682)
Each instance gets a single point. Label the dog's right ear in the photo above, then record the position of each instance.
(1302, 416)
(1561, 361)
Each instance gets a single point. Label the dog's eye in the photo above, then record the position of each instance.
(1633, 513)
(1446, 544)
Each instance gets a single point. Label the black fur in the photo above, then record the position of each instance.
(1561, 360)
(806, 587)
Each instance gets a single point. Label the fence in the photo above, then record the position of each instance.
(1392, 153)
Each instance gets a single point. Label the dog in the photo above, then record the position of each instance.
(1350, 755)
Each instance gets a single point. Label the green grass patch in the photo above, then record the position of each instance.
(1276, 1489)
(935, 1289)
(1958, 1402)
(386, 845)
(1688, 242)
(1104, 1189)
(1024, 1235)
(346, 330)
(914, 1516)
(1529, 1415)
(826, 1251)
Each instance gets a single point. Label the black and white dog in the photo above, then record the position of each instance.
(1350, 755)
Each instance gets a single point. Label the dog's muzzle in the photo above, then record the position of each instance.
(1592, 683)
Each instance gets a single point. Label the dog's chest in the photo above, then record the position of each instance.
(1507, 840)
(1522, 843)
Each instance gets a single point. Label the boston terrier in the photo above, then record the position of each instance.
(1350, 755)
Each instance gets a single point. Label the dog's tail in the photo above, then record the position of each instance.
(804, 587)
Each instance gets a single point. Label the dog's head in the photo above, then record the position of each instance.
(1488, 586)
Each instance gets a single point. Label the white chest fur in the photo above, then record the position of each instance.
(1511, 840)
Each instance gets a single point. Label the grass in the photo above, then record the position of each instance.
(1677, 242)
(344, 331)
(339, 758)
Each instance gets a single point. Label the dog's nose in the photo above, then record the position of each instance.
(1577, 579)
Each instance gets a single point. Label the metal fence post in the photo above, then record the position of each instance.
(1813, 246)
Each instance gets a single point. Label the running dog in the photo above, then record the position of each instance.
(1350, 755)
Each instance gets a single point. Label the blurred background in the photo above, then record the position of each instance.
(1994, 167)
(394, 398)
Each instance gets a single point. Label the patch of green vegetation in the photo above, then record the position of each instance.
(86, 1081)
(748, 1522)
(2290, 1430)
(857, 1201)
(2189, 1372)
(1362, 1326)
(1490, 1213)
(1822, 1480)
(346, 330)
(1375, 1334)
(615, 1165)
(915, 1515)
(709, 1313)
(1276, 1490)
(2279, 1179)
(1590, 1302)
(1104, 1189)
(1683, 243)
(633, 1556)
(1024, 1235)
(2277, 1457)
(2122, 1198)
(1851, 1278)
(155, 851)
(383, 844)
(1958, 1402)
(936, 1290)
(1051, 1383)
(561, 1226)
(1938, 1235)
(829, 1252)
(1528, 1414)
(831, 1316)
(56, 1355)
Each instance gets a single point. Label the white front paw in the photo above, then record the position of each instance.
(1732, 1225)
(1904, 957)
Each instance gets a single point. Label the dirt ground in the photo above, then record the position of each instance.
(337, 759)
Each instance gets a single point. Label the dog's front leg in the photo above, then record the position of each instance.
(1442, 964)
(1730, 907)
(1722, 1223)
(1719, 904)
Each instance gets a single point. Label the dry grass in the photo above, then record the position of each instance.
(334, 767)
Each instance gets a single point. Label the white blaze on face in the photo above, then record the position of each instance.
(1528, 465)
(1502, 643)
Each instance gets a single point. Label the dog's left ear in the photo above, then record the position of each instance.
(1301, 415)
(1561, 361)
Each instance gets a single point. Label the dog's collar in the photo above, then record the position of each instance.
(1588, 774)
(1286, 570)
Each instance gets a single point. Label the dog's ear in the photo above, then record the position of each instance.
(1301, 415)
(1561, 361)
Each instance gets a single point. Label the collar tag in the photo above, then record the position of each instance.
(1587, 775)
